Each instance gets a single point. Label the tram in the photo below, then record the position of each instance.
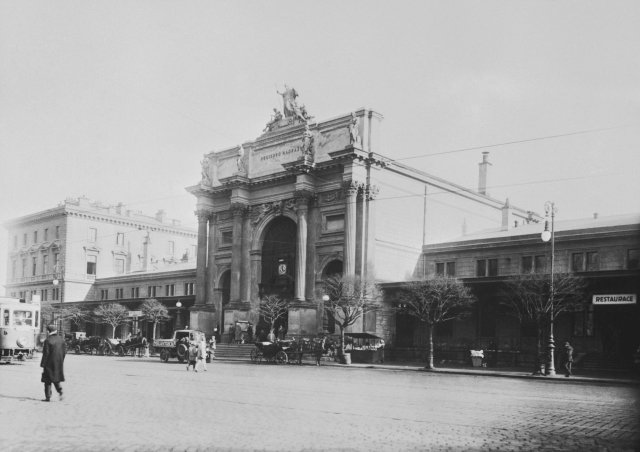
(19, 327)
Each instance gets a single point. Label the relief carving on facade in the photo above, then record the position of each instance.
(276, 207)
(331, 196)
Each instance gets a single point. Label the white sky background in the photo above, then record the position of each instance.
(119, 100)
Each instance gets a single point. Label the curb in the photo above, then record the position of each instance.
(519, 375)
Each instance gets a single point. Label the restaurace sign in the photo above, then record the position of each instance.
(614, 299)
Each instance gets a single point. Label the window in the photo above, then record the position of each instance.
(135, 292)
(23, 318)
(151, 291)
(169, 290)
(583, 321)
(487, 267)
(43, 294)
(57, 232)
(45, 264)
(46, 234)
(227, 237)
(188, 288)
(592, 261)
(91, 265)
(171, 247)
(445, 268)
(104, 294)
(34, 265)
(119, 293)
(55, 293)
(56, 259)
(35, 236)
(93, 235)
(451, 269)
(119, 266)
(540, 264)
(577, 262)
(534, 264)
(120, 239)
(493, 267)
(334, 223)
(633, 259)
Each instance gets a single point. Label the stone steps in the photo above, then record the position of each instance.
(234, 351)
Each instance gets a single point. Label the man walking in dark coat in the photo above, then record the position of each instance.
(52, 363)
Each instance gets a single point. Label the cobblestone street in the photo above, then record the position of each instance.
(143, 404)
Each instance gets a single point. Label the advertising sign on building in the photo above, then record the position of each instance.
(628, 298)
(135, 313)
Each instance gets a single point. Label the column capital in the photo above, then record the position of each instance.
(239, 210)
(352, 187)
(203, 215)
(371, 192)
(303, 199)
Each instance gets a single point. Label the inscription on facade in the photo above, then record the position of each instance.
(282, 152)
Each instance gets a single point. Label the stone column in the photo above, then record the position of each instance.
(370, 237)
(350, 192)
(302, 204)
(236, 252)
(212, 268)
(201, 259)
(245, 260)
(312, 238)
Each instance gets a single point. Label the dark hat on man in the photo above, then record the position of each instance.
(52, 329)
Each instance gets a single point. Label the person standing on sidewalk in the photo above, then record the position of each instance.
(202, 354)
(52, 362)
(568, 358)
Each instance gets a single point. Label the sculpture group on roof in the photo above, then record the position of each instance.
(291, 109)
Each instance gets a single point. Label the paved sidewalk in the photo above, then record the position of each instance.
(585, 376)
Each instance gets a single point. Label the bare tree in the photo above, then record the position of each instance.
(347, 299)
(272, 308)
(76, 314)
(113, 314)
(528, 298)
(434, 301)
(154, 311)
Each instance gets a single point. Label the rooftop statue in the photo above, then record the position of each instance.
(354, 131)
(242, 164)
(206, 179)
(290, 105)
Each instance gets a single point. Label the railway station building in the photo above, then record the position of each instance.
(307, 199)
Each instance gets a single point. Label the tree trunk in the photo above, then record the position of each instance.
(155, 323)
(430, 351)
(537, 370)
(341, 348)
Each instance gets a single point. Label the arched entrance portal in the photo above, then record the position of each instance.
(278, 266)
(279, 258)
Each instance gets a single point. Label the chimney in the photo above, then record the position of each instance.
(146, 262)
(506, 215)
(161, 216)
(484, 167)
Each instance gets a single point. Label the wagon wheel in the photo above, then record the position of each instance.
(255, 355)
(93, 351)
(164, 355)
(182, 352)
(120, 350)
(108, 350)
(281, 357)
(77, 349)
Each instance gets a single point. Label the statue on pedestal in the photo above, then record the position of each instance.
(240, 161)
(206, 179)
(290, 105)
(354, 131)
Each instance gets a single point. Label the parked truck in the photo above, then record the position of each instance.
(178, 345)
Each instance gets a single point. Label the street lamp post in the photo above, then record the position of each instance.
(550, 210)
(56, 282)
(179, 317)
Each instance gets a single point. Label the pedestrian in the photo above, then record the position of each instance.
(52, 363)
(192, 356)
(212, 345)
(232, 333)
(568, 358)
(216, 335)
(202, 355)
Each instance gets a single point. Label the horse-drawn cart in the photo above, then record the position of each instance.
(292, 350)
(134, 347)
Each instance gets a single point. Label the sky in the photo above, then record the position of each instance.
(119, 100)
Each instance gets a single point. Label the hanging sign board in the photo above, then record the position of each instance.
(627, 298)
(135, 313)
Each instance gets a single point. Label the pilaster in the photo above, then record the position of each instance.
(238, 211)
(212, 268)
(201, 258)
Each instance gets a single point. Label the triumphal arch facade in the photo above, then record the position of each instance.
(303, 200)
